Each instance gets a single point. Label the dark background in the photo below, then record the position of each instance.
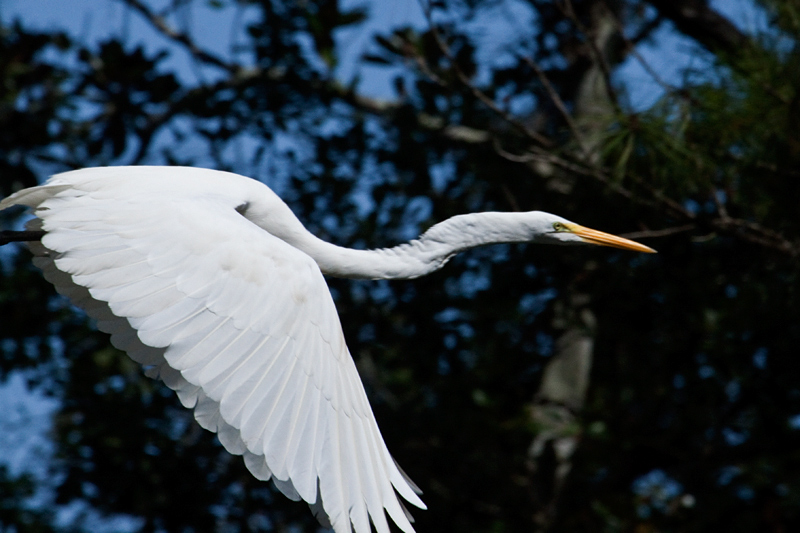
(523, 388)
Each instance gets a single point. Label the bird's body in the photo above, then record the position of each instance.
(209, 280)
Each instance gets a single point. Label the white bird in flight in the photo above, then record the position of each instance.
(209, 281)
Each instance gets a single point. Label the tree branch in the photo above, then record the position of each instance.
(534, 136)
(739, 228)
(541, 146)
(179, 37)
(702, 23)
(7, 237)
(659, 233)
(557, 101)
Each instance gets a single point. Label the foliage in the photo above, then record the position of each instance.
(690, 422)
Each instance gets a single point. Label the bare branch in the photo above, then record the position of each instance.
(524, 158)
(659, 233)
(7, 237)
(723, 212)
(557, 101)
(700, 21)
(756, 234)
(743, 229)
(185, 40)
(534, 136)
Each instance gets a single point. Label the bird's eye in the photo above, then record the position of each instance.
(558, 226)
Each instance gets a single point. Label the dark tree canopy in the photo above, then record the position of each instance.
(523, 388)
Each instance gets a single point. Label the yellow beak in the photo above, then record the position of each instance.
(593, 236)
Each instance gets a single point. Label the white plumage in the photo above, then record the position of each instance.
(208, 280)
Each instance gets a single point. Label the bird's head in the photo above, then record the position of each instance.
(552, 229)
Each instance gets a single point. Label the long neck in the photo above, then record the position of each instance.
(421, 256)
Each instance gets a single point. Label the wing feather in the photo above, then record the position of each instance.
(257, 466)
(239, 323)
(302, 466)
(258, 406)
(279, 424)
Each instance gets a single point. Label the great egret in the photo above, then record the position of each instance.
(209, 280)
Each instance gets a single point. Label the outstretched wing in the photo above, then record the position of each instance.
(240, 324)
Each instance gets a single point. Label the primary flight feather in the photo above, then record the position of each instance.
(209, 281)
